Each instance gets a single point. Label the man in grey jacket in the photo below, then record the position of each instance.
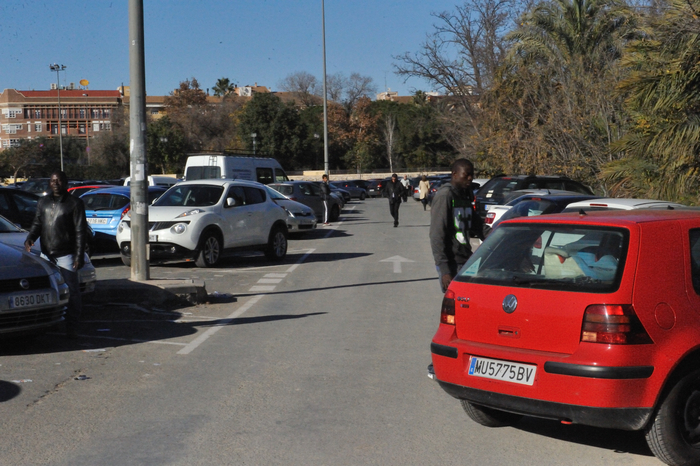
(452, 218)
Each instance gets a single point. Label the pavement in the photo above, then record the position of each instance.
(150, 293)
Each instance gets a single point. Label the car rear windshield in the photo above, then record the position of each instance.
(105, 201)
(190, 195)
(284, 189)
(555, 257)
(499, 187)
(203, 173)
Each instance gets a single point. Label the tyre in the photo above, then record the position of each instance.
(489, 417)
(209, 250)
(335, 213)
(126, 260)
(276, 244)
(362, 196)
(674, 434)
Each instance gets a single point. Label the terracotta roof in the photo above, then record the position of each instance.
(70, 93)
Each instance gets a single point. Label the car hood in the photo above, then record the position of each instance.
(14, 263)
(164, 214)
(294, 207)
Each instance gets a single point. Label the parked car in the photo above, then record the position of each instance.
(356, 192)
(33, 296)
(620, 204)
(494, 212)
(202, 220)
(431, 179)
(156, 180)
(300, 218)
(364, 184)
(104, 209)
(39, 186)
(344, 194)
(585, 319)
(376, 187)
(531, 205)
(14, 236)
(78, 191)
(498, 187)
(18, 206)
(309, 194)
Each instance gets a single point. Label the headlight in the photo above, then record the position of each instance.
(289, 212)
(58, 277)
(189, 213)
(178, 228)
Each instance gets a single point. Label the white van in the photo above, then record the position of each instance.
(155, 180)
(217, 166)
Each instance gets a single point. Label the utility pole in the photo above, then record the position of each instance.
(58, 68)
(326, 166)
(139, 166)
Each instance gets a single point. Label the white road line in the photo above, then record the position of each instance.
(261, 289)
(276, 275)
(269, 280)
(301, 259)
(212, 330)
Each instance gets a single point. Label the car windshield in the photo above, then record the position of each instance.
(275, 195)
(285, 189)
(556, 257)
(8, 227)
(530, 208)
(105, 201)
(194, 195)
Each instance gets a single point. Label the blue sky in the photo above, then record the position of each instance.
(248, 42)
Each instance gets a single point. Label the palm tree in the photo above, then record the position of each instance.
(663, 95)
(223, 87)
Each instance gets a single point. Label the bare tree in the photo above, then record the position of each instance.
(335, 85)
(305, 85)
(357, 87)
(389, 131)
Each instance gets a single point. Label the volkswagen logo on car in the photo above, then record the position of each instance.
(510, 302)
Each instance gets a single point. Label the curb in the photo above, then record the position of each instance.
(150, 292)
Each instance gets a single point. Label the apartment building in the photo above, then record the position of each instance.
(34, 114)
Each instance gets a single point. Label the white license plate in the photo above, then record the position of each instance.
(152, 238)
(502, 370)
(97, 221)
(31, 299)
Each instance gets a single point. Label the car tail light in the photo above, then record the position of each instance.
(613, 324)
(125, 211)
(447, 312)
(489, 218)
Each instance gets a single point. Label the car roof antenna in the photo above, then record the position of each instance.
(582, 212)
(670, 207)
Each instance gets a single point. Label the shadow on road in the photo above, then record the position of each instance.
(8, 391)
(353, 285)
(620, 441)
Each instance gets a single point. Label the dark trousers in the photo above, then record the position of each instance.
(394, 209)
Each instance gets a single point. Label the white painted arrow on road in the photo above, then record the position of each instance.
(397, 260)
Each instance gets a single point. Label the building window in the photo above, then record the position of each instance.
(154, 111)
(14, 142)
(37, 113)
(37, 127)
(63, 113)
(82, 113)
(5, 143)
(95, 126)
(13, 113)
(106, 113)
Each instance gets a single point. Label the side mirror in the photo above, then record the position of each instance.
(230, 202)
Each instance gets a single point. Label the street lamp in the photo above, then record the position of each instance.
(253, 135)
(57, 68)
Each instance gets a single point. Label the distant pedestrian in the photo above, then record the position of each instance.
(452, 219)
(60, 223)
(394, 190)
(326, 198)
(406, 184)
(423, 189)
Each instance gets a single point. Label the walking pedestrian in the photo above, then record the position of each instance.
(423, 188)
(325, 197)
(394, 190)
(452, 219)
(406, 184)
(60, 223)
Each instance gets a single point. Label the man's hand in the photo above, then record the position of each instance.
(78, 263)
(28, 245)
(446, 280)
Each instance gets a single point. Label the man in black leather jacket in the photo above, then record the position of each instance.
(61, 225)
(395, 191)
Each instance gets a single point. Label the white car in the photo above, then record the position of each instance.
(300, 218)
(620, 204)
(202, 220)
(495, 212)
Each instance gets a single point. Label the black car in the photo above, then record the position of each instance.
(531, 205)
(18, 206)
(497, 188)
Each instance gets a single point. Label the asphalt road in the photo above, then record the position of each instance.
(319, 360)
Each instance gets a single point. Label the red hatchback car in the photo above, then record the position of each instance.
(583, 318)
